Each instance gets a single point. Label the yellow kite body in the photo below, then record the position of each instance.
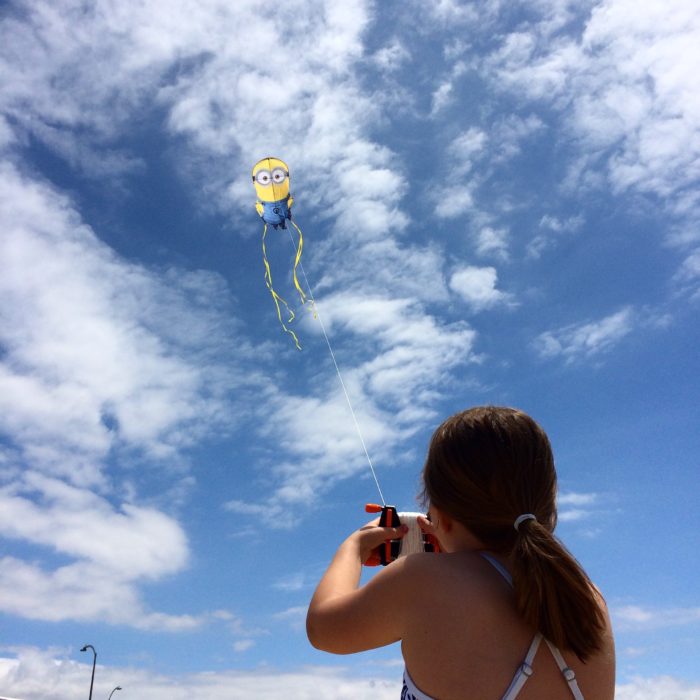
(271, 180)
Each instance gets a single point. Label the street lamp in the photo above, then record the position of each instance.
(94, 661)
(112, 693)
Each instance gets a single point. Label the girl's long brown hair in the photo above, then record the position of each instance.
(485, 467)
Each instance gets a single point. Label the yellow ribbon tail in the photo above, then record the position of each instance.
(297, 259)
(276, 297)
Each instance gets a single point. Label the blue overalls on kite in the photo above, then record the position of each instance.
(276, 213)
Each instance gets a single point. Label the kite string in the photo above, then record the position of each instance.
(337, 369)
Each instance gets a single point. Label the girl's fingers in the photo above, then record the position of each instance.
(425, 525)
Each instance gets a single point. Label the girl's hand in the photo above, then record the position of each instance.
(430, 529)
(371, 537)
(427, 526)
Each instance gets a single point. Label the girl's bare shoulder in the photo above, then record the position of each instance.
(442, 574)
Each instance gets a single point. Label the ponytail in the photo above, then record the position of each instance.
(553, 594)
(485, 466)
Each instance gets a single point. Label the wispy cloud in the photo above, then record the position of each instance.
(391, 56)
(552, 229)
(294, 617)
(578, 342)
(625, 90)
(636, 617)
(509, 133)
(657, 688)
(687, 279)
(574, 506)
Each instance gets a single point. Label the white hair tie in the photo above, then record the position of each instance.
(522, 518)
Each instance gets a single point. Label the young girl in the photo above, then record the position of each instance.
(504, 610)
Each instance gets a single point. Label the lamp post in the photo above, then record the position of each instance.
(94, 661)
(112, 693)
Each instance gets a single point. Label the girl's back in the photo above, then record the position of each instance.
(463, 637)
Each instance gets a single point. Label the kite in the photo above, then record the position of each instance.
(274, 206)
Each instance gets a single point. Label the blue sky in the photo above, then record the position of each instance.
(500, 204)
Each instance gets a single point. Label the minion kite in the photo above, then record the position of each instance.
(274, 206)
(271, 179)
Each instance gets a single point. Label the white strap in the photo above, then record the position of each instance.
(568, 673)
(498, 566)
(525, 670)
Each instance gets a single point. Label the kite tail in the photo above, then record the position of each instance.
(276, 297)
(297, 259)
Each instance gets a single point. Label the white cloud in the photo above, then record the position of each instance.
(293, 582)
(455, 194)
(658, 688)
(442, 96)
(552, 228)
(572, 498)
(687, 279)
(636, 617)
(466, 148)
(627, 90)
(448, 12)
(455, 201)
(81, 591)
(477, 286)
(392, 56)
(295, 617)
(410, 357)
(573, 506)
(100, 356)
(35, 674)
(383, 267)
(493, 241)
(582, 341)
(133, 542)
(508, 134)
(98, 352)
(111, 551)
(471, 160)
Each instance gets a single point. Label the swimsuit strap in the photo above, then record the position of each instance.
(525, 670)
(498, 566)
(568, 673)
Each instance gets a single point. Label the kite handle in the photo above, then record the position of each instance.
(391, 549)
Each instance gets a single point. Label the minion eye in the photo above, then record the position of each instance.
(263, 177)
(279, 175)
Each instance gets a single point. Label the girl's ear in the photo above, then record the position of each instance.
(440, 519)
